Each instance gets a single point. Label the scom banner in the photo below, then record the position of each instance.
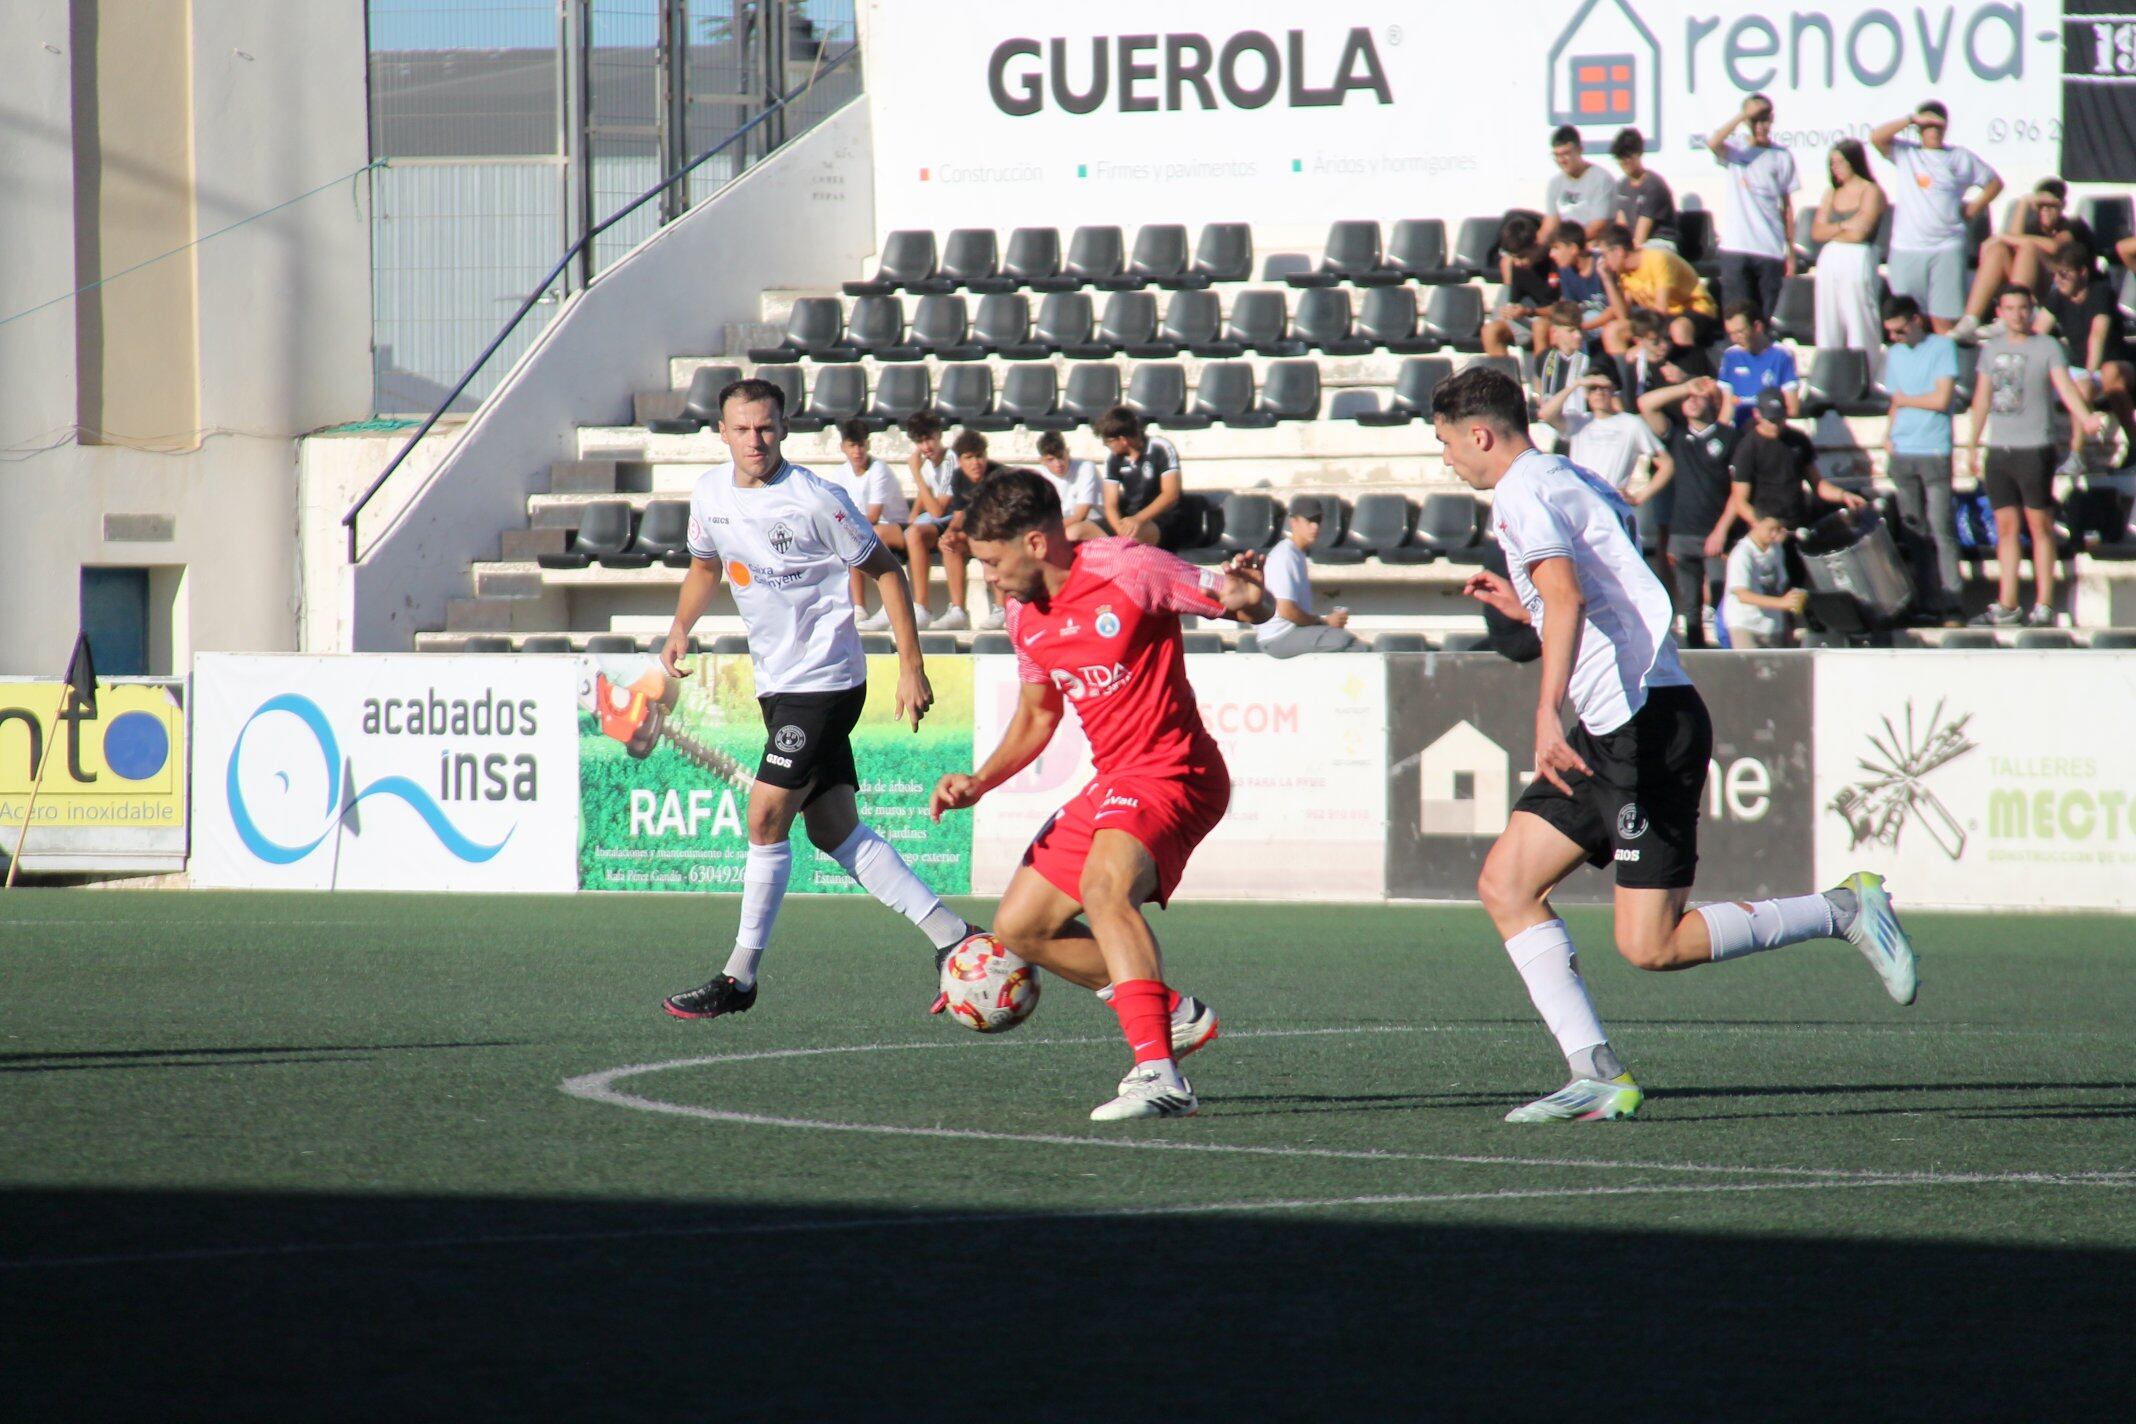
(1462, 749)
(1306, 743)
(114, 793)
(412, 772)
(1980, 780)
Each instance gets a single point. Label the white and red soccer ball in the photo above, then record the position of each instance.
(988, 986)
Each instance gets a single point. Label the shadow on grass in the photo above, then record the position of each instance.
(224, 1306)
(127, 1058)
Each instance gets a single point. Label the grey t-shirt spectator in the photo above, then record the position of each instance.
(2020, 390)
(1587, 199)
(1650, 199)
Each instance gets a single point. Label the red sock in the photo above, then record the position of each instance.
(1144, 1017)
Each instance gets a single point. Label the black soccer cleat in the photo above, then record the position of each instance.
(709, 1001)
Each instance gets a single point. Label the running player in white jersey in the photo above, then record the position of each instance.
(785, 538)
(1624, 787)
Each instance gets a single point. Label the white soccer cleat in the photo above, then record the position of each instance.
(1876, 932)
(1193, 1026)
(1145, 1092)
(1585, 1100)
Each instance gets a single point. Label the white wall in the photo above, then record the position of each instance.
(805, 218)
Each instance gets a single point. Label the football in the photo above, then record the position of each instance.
(990, 988)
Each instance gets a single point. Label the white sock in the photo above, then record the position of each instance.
(764, 876)
(1543, 954)
(1735, 930)
(882, 872)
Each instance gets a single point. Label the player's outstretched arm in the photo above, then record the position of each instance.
(1244, 590)
(698, 586)
(1038, 714)
(914, 694)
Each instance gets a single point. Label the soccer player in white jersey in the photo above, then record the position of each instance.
(1624, 787)
(784, 538)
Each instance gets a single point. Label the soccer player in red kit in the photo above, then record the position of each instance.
(1097, 624)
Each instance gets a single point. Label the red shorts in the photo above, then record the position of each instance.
(1169, 815)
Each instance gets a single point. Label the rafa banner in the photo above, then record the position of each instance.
(665, 766)
(114, 795)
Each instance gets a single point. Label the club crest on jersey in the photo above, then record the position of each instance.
(782, 539)
(1108, 622)
(1631, 822)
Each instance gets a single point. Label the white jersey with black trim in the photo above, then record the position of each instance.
(784, 547)
(1546, 507)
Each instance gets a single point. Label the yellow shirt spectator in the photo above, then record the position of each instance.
(1664, 282)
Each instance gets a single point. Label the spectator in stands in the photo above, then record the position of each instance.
(1529, 277)
(1296, 628)
(2081, 309)
(1774, 470)
(1846, 222)
(2037, 232)
(1144, 493)
(1758, 216)
(2018, 371)
(1081, 488)
(1921, 375)
(1759, 604)
(1696, 422)
(1579, 193)
(876, 493)
(1606, 439)
(1660, 281)
(1580, 282)
(1653, 359)
(1931, 210)
(1565, 362)
(1644, 202)
(941, 494)
(1754, 362)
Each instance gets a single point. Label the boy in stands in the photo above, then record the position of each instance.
(874, 489)
(1097, 623)
(939, 492)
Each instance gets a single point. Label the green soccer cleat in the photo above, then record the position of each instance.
(1585, 1100)
(1876, 932)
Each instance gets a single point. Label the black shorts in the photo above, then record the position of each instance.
(1640, 809)
(2020, 476)
(809, 739)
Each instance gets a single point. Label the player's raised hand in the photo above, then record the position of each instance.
(1554, 756)
(1495, 591)
(954, 792)
(914, 695)
(1244, 586)
(673, 651)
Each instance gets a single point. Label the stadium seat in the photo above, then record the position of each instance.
(791, 383)
(2125, 294)
(1379, 523)
(2044, 639)
(728, 645)
(941, 328)
(1247, 642)
(1328, 546)
(1092, 389)
(874, 644)
(965, 396)
(1476, 248)
(840, 393)
(1290, 390)
(1968, 374)
(877, 326)
(1224, 253)
(1190, 320)
(938, 645)
(1094, 253)
(1130, 320)
(664, 533)
(1322, 322)
(1806, 247)
(2111, 217)
(603, 532)
(1030, 396)
(1034, 256)
(1157, 391)
(991, 645)
(1160, 259)
(1839, 381)
(1002, 327)
(1201, 642)
(1414, 382)
(901, 392)
(1447, 525)
(486, 643)
(969, 255)
(813, 329)
(1225, 393)
(1969, 640)
(1695, 242)
(1795, 318)
(2114, 639)
(1388, 321)
(1401, 643)
(701, 407)
(1416, 251)
(1249, 520)
(1064, 324)
(908, 257)
(612, 644)
(1352, 254)
(545, 643)
(1205, 545)
(1256, 324)
(1466, 643)
(1453, 316)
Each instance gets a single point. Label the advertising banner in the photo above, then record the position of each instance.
(1000, 113)
(1306, 743)
(1983, 780)
(665, 766)
(114, 794)
(408, 772)
(1462, 749)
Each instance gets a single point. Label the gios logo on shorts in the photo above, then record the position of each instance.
(790, 739)
(1631, 823)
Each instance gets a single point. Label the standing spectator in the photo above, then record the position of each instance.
(1144, 490)
(2038, 231)
(876, 493)
(1566, 361)
(1846, 222)
(1931, 210)
(1921, 374)
(1530, 280)
(1607, 440)
(1758, 217)
(1644, 202)
(1660, 281)
(1759, 601)
(941, 497)
(1579, 193)
(1696, 420)
(1580, 282)
(1080, 486)
(1296, 628)
(1774, 470)
(1754, 362)
(2080, 307)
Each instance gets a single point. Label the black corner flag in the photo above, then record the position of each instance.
(80, 680)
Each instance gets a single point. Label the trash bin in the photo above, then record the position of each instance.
(1851, 553)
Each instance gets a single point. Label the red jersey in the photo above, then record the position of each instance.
(1109, 640)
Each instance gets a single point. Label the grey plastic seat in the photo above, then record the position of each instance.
(839, 394)
(970, 255)
(1030, 396)
(1190, 322)
(1969, 374)
(1388, 321)
(1969, 640)
(664, 533)
(1064, 322)
(1157, 391)
(1839, 381)
(1322, 320)
(1329, 547)
(1466, 643)
(1159, 259)
(876, 325)
(1453, 316)
(1352, 255)
(1205, 544)
(1379, 523)
(1225, 393)
(544, 643)
(791, 383)
(1094, 254)
(1249, 522)
(1201, 643)
(1695, 241)
(1092, 389)
(2114, 639)
(935, 645)
(1401, 643)
(728, 645)
(1224, 252)
(603, 532)
(1290, 390)
(941, 328)
(1258, 323)
(1806, 247)
(991, 645)
(700, 407)
(1033, 256)
(908, 257)
(611, 644)
(1416, 252)
(1414, 382)
(814, 328)
(1002, 327)
(2044, 639)
(486, 643)
(1476, 246)
(901, 392)
(1130, 320)
(1447, 525)
(1508, 365)
(1795, 317)
(965, 396)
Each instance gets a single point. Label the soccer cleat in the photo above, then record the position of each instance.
(1193, 1026)
(1585, 1100)
(1876, 932)
(1145, 1093)
(709, 1001)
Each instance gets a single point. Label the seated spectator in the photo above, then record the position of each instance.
(1760, 604)
(1696, 421)
(1524, 267)
(1754, 362)
(1775, 470)
(1580, 282)
(1654, 360)
(1846, 222)
(1579, 194)
(1565, 361)
(1920, 374)
(1296, 628)
(2081, 309)
(1660, 281)
(2037, 231)
(1644, 202)
(1078, 483)
(973, 466)
(1144, 490)
(1930, 211)
(1758, 211)
(1606, 439)
(941, 494)
(873, 487)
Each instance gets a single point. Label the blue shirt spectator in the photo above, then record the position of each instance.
(1747, 372)
(1913, 370)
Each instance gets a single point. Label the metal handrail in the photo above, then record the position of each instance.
(541, 288)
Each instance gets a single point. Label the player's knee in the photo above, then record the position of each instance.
(1644, 947)
(1106, 888)
(769, 822)
(1497, 889)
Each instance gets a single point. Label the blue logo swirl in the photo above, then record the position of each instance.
(337, 808)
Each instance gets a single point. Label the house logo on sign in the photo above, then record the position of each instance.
(1464, 784)
(1605, 74)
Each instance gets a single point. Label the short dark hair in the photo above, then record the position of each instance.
(1053, 443)
(1476, 391)
(1744, 307)
(968, 442)
(1645, 321)
(1517, 236)
(1601, 372)
(751, 391)
(2014, 289)
(1900, 307)
(921, 425)
(1011, 503)
(1568, 234)
(2053, 187)
(1761, 97)
(854, 432)
(1615, 235)
(1119, 423)
(1629, 143)
(1759, 511)
(1563, 313)
(2074, 258)
(1564, 134)
(1933, 106)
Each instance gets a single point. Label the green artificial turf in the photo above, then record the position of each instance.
(310, 1157)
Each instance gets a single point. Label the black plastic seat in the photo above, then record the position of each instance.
(1806, 247)
(603, 533)
(1224, 253)
(1160, 259)
(2111, 218)
(1447, 525)
(876, 325)
(1695, 241)
(1258, 323)
(611, 644)
(941, 328)
(1475, 248)
(1416, 252)
(1352, 254)
(664, 533)
(1094, 254)
(1969, 375)
(1414, 382)
(1839, 381)
(1156, 392)
(728, 645)
(901, 392)
(1249, 523)
(1002, 327)
(1030, 396)
(544, 643)
(1401, 643)
(1201, 643)
(1509, 365)
(965, 396)
(969, 256)
(1225, 393)
(486, 643)
(840, 393)
(1322, 322)
(814, 329)
(1329, 546)
(1795, 318)
(908, 258)
(1130, 320)
(1092, 389)
(2114, 639)
(1388, 322)
(700, 407)
(1290, 390)
(2044, 639)
(1453, 316)
(991, 645)
(1034, 255)
(1205, 519)
(1190, 321)
(1969, 640)
(1379, 523)
(1064, 321)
